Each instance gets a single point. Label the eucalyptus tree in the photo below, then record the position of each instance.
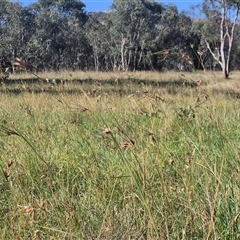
(217, 29)
(12, 29)
(185, 43)
(98, 32)
(58, 40)
(235, 59)
(174, 40)
(132, 26)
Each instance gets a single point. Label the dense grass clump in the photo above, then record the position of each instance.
(142, 162)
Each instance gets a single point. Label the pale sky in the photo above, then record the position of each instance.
(98, 5)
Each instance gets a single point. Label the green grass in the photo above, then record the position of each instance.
(107, 159)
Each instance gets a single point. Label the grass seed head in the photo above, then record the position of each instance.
(9, 162)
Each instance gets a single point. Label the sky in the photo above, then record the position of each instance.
(101, 5)
(105, 4)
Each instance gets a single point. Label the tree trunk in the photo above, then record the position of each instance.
(123, 53)
(227, 30)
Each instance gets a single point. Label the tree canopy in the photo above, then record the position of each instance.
(133, 35)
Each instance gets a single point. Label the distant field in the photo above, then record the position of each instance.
(206, 81)
(142, 155)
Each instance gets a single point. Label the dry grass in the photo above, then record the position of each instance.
(149, 156)
(210, 82)
(98, 76)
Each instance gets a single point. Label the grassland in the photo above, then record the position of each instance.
(120, 156)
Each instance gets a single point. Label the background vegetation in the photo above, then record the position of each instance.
(134, 35)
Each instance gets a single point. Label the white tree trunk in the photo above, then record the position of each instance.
(226, 39)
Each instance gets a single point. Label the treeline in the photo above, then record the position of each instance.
(134, 35)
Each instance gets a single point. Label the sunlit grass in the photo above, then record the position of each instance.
(120, 161)
(217, 75)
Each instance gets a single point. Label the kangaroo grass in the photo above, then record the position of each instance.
(143, 162)
(10, 132)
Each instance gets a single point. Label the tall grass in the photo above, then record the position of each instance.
(125, 161)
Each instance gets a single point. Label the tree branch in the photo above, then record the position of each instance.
(212, 53)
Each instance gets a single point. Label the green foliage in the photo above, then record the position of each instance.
(53, 35)
(217, 30)
(60, 34)
(12, 35)
(133, 24)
